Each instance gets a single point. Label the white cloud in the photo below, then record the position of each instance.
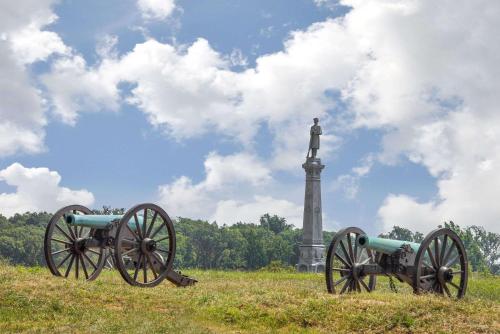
(37, 189)
(156, 9)
(226, 193)
(432, 84)
(23, 41)
(250, 211)
(349, 183)
(423, 72)
(189, 91)
(74, 87)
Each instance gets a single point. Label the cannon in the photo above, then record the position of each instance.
(142, 243)
(437, 265)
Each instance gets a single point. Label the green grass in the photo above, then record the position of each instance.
(33, 301)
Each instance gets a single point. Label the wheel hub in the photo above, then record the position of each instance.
(356, 271)
(79, 246)
(148, 245)
(445, 275)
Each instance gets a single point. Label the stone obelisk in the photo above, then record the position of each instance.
(312, 249)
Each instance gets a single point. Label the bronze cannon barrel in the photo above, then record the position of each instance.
(386, 246)
(99, 221)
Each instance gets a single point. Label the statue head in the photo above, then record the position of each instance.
(316, 120)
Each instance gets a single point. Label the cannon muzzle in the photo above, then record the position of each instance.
(99, 221)
(386, 246)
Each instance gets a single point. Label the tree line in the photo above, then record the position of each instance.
(242, 246)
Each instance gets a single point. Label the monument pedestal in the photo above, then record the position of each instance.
(312, 249)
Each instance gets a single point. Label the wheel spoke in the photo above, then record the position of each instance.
(133, 233)
(364, 285)
(60, 251)
(61, 241)
(340, 280)
(84, 267)
(443, 248)
(343, 260)
(345, 286)
(428, 276)
(358, 287)
(152, 223)
(446, 290)
(65, 234)
(130, 251)
(157, 230)
(80, 232)
(163, 250)
(75, 230)
(457, 272)
(164, 238)
(349, 248)
(428, 266)
(137, 267)
(454, 285)
(152, 267)
(139, 231)
(433, 260)
(145, 269)
(71, 232)
(90, 261)
(356, 248)
(64, 260)
(345, 252)
(77, 266)
(145, 223)
(437, 252)
(448, 253)
(93, 251)
(69, 266)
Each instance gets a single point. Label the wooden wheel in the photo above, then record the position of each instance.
(65, 247)
(344, 262)
(441, 265)
(145, 245)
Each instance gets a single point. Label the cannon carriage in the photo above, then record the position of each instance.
(437, 265)
(142, 243)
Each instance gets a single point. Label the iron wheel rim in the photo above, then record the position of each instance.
(60, 247)
(144, 261)
(343, 256)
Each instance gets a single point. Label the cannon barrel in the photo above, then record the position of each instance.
(99, 221)
(386, 246)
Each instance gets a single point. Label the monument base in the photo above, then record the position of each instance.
(311, 259)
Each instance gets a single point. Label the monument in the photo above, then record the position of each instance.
(311, 258)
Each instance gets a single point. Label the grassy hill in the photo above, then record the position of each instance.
(32, 300)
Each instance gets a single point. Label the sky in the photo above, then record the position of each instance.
(204, 107)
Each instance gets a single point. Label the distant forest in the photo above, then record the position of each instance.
(200, 244)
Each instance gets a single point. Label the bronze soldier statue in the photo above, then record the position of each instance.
(314, 141)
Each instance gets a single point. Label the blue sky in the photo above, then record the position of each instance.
(120, 126)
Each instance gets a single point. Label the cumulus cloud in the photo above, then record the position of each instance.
(225, 195)
(74, 87)
(22, 42)
(432, 83)
(156, 9)
(37, 189)
(190, 90)
(349, 183)
(422, 72)
(232, 211)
